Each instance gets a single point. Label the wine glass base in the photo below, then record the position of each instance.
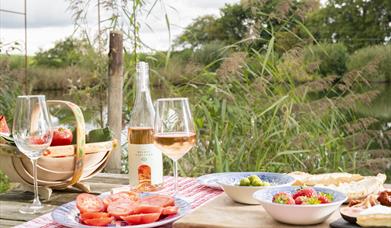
(32, 209)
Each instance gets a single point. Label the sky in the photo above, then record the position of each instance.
(50, 21)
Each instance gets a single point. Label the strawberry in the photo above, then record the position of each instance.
(323, 199)
(327, 195)
(308, 192)
(283, 198)
(300, 200)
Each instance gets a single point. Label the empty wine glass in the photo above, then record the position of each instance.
(32, 133)
(174, 131)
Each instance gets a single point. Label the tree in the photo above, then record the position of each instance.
(251, 19)
(199, 32)
(64, 53)
(356, 23)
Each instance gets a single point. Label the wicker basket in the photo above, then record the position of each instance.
(61, 167)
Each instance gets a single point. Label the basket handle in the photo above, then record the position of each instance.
(80, 141)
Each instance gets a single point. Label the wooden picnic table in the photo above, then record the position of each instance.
(11, 201)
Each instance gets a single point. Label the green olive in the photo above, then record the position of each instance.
(245, 182)
(257, 183)
(254, 178)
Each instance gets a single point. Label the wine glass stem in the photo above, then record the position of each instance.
(36, 202)
(175, 176)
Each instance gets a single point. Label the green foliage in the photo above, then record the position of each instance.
(44, 78)
(210, 53)
(233, 23)
(327, 58)
(252, 21)
(69, 52)
(15, 61)
(203, 29)
(9, 90)
(356, 23)
(379, 55)
(252, 115)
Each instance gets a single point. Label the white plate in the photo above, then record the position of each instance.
(68, 215)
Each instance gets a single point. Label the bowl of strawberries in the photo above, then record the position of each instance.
(300, 205)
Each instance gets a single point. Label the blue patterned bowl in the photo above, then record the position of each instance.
(244, 194)
(298, 214)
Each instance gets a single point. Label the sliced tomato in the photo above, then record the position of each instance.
(93, 215)
(147, 209)
(141, 218)
(172, 210)
(89, 203)
(123, 196)
(161, 201)
(121, 208)
(104, 221)
(132, 219)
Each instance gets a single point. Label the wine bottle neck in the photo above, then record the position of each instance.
(142, 83)
(143, 112)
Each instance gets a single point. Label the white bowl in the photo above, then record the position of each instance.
(244, 194)
(298, 214)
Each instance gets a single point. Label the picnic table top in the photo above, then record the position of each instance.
(11, 201)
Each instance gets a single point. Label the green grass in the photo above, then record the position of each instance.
(251, 115)
(16, 61)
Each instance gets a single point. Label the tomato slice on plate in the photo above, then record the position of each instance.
(93, 215)
(132, 219)
(130, 196)
(89, 203)
(147, 209)
(121, 208)
(161, 201)
(103, 221)
(171, 210)
(141, 218)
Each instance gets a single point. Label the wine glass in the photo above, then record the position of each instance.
(174, 131)
(32, 133)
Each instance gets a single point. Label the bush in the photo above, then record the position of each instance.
(15, 61)
(42, 79)
(69, 52)
(329, 58)
(9, 90)
(177, 72)
(210, 53)
(379, 55)
(60, 78)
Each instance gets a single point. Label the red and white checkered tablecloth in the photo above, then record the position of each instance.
(188, 188)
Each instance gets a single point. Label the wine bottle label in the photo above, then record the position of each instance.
(145, 164)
